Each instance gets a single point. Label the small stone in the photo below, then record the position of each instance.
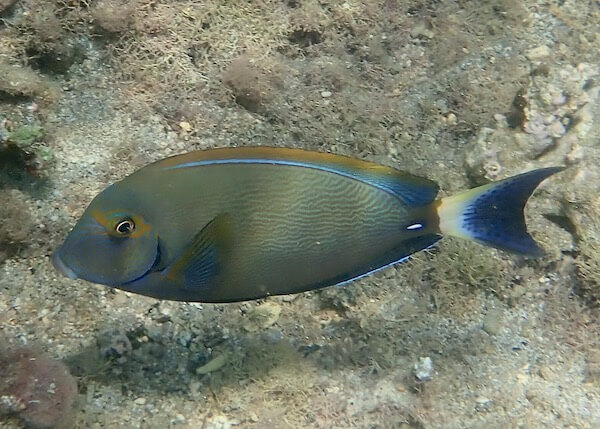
(326, 94)
(5, 4)
(273, 336)
(560, 99)
(546, 373)
(195, 388)
(491, 322)
(162, 318)
(423, 369)
(492, 169)
(140, 401)
(451, 119)
(517, 292)
(538, 53)
(212, 365)
(556, 129)
(114, 344)
(422, 30)
(499, 117)
(262, 316)
(185, 339)
(113, 16)
(185, 126)
(483, 404)
(290, 298)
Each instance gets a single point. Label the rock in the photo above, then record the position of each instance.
(262, 316)
(186, 126)
(481, 159)
(492, 322)
(38, 389)
(17, 222)
(179, 419)
(18, 81)
(113, 16)
(538, 53)
(423, 369)
(483, 404)
(212, 365)
(546, 373)
(273, 335)
(5, 4)
(422, 30)
(114, 344)
(451, 119)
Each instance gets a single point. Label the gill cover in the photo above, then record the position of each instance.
(110, 248)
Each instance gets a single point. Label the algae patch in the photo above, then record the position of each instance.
(26, 135)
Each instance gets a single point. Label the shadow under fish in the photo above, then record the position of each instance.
(235, 224)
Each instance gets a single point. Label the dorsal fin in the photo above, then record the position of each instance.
(412, 190)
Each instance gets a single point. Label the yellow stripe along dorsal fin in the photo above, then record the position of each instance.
(412, 190)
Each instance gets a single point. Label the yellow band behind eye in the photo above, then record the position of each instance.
(110, 220)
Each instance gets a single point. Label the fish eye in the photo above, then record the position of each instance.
(125, 226)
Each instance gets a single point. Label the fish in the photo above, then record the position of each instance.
(236, 224)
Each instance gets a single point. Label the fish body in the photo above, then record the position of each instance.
(235, 224)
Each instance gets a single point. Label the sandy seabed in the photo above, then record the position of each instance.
(461, 92)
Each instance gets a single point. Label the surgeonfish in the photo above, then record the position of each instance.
(235, 224)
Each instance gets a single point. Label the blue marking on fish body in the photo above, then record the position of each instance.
(399, 261)
(408, 195)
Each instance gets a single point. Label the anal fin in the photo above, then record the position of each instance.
(395, 256)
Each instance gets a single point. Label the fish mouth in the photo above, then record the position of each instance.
(61, 267)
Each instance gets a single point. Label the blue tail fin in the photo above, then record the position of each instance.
(493, 215)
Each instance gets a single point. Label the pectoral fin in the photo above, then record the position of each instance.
(202, 260)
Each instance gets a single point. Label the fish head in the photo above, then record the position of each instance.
(109, 245)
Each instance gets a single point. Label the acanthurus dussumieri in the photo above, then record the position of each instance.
(236, 224)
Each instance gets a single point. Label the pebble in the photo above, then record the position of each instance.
(483, 404)
(140, 401)
(491, 322)
(556, 129)
(212, 365)
(545, 373)
(538, 53)
(185, 126)
(517, 292)
(422, 29)
(114, 344)
(162, 318)
(326, 94)
(423, 369)
(6, 4)
(290, 298)
(262, 316)
(273, 335)
(195, 389)
(451, 119)
(185, 339)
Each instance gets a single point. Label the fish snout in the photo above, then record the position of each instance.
(61, 266)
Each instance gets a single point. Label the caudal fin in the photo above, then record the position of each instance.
(493, 215)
